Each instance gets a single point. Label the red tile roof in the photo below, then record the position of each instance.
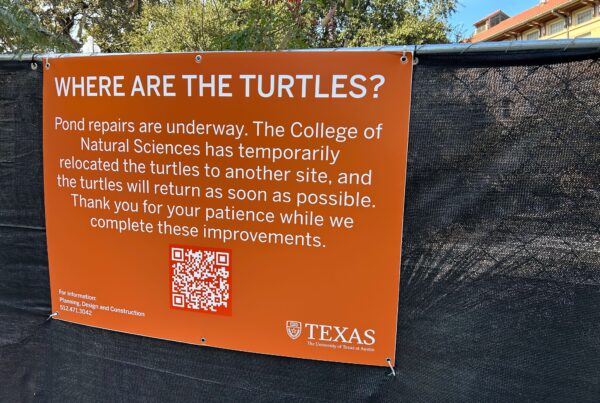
(521, 18)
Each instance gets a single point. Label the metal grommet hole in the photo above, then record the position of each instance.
(203, 340)
(404, 59)
(198, 58)
(415, 61)
(34, 66)
(47, 65)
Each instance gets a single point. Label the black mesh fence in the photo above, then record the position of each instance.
(500, 293)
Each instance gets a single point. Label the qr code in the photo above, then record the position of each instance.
(201, 279)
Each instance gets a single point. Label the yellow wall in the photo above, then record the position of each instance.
(575, 30)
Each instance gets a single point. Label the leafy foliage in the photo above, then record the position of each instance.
(61, 25)
(109, 22)
(186, 25)
(264, 25)
(183, 26)
(381, 22)
(22, 30)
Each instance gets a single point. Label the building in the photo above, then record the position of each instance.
(550, 19)
(490, 21)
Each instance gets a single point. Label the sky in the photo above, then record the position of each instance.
(470, 11)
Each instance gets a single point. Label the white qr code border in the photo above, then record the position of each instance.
(200, 279)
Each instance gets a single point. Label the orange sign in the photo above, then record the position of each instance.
(248, 201)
